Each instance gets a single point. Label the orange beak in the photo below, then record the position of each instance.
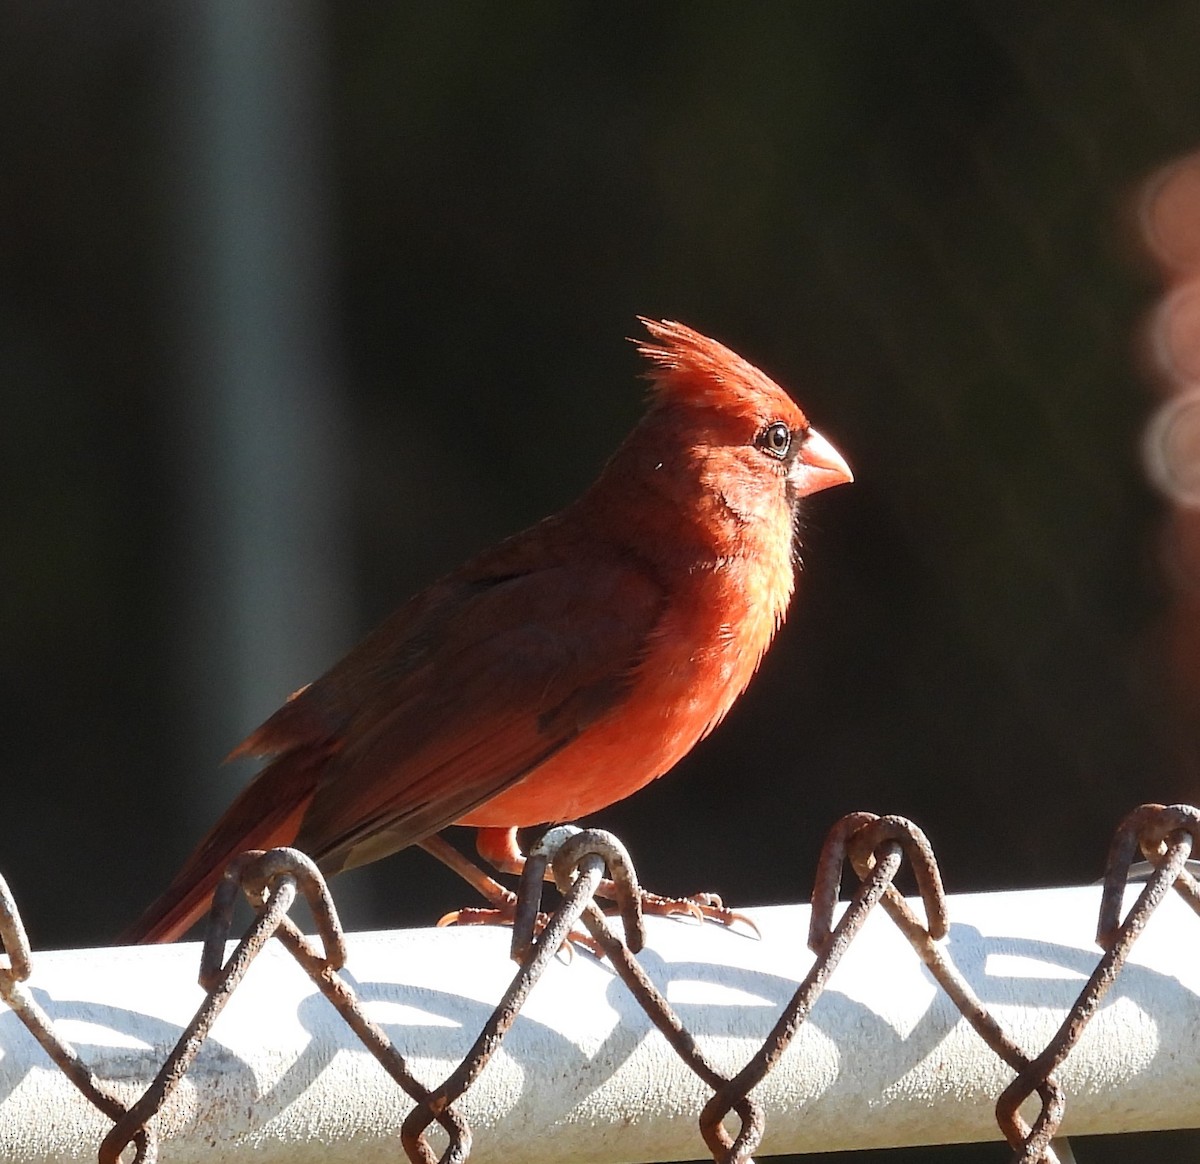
(818, 465)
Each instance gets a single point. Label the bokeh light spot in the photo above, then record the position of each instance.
(1171, 214)
(1176, 334)
(1171, 449)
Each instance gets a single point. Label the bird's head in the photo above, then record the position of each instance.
(734, 423)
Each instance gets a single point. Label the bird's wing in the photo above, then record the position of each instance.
(466, 696)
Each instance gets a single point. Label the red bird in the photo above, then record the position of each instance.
(564, 668)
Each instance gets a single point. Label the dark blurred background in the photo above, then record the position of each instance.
(301, 304)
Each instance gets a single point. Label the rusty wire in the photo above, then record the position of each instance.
(865, 830)
(583, 864)
(1165, 835)
(39, 1024)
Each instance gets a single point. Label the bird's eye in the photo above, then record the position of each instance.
(775, 439)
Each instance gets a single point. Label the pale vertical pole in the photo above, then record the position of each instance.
(263, 571)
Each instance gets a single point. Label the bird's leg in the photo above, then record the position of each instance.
(498, 848)
(503, 900)
(503, 911)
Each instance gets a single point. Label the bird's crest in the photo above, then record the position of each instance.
(691, 368)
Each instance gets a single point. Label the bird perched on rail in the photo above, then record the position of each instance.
(560, 670)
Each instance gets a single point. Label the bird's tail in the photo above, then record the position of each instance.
(267, 813)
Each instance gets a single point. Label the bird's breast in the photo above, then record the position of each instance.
(698, 660)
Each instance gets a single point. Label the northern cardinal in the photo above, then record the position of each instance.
(564, 668)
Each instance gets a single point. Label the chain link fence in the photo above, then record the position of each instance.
(731, 1123)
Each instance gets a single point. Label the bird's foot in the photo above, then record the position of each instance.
(499, 848)
(505, 915)
(701, 906)
(473, 916)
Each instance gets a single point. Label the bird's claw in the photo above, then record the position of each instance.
(701, 906)
(504, 917)
(476, 917)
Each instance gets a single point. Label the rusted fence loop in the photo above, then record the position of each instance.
(344, 1000)
(860, 838)
(659, 1011)
(530, 887)
(827, 883)
(868, 894)
(220, 918)
(1032, 1144)
(578, 893)
(1033, 1147)
(226, 980)
(39, 1024)
(417, 1147)
(1152, 830)
(959, 991)
(727, 1149)
(278, 863)
(865, 843)
(566, 864)
(254, 874)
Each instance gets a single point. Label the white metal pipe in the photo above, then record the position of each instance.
(885, 1059)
